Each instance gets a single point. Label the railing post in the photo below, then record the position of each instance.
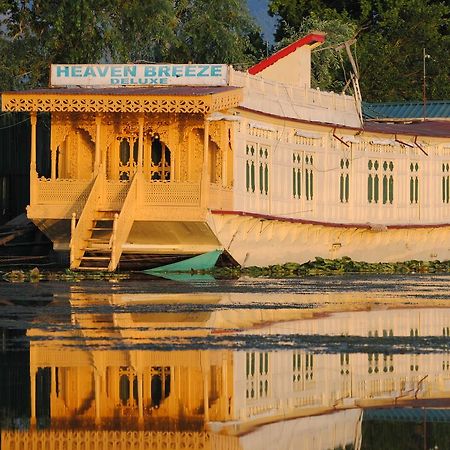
(113, 242)
(98, 123)
(73, 225)
(141, 144)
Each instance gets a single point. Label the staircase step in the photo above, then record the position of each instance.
(96, 269)
(95, 258)
(101, 228)
(99, 240)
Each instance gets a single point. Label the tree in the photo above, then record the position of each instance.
(391, 36)
(42, 32)
(215, 31)
(391, 52)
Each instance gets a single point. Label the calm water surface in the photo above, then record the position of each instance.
(317, 363)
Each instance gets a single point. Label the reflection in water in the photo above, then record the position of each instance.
(95, 378)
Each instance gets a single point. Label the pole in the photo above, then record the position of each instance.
(424, 93)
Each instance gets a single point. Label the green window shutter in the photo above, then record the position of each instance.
(347, 187)
(370, 188)
(444, 193)
(261, 181)
(299, 183)
(416, 190)
(341, 188)
(391, 189)
(385, 188)
(447, 188)
(266, 178)
(411, 190)
(252, 176)
(307, 183)
(247, 175)
(311, 192)
(376, 183)
(294, 182)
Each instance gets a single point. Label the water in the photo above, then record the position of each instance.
(317, 363)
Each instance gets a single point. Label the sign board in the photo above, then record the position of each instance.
(102, 75)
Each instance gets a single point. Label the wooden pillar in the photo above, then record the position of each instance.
(98, 128)
(140, 386)
(206, 381)
(53, 162)
(33, 168)
(33, 396)
(97, 397)
(224, 145)
(205, 180)
(140, 160)
(33, 120)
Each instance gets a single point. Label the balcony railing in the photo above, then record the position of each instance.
(74, 193)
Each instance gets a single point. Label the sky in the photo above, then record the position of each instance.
(259, 10)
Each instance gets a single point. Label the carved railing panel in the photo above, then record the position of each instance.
(115, 194)
(61, 192)
(171, 194)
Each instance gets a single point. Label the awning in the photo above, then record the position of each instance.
(162, 99)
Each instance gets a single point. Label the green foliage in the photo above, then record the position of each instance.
(214, 31)
(43, 32)
(391, 52)
(391, 36)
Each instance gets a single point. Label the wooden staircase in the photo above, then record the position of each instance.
(97, 253)
(98, 236)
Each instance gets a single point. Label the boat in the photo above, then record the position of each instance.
(153, 164)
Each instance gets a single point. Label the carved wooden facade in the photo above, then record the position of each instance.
(122, 156)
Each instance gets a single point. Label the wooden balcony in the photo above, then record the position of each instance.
(156, 200)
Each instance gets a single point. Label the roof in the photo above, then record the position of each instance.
(306, 40)
(407, 415)
(171, 99)
(431, 128)
(406, 110)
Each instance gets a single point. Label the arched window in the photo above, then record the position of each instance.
(128, 155)
(160, 168)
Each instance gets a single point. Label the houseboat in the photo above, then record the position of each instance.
(165, 162)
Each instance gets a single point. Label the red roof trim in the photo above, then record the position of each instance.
(307, 40)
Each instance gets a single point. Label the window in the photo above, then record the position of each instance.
(309, 180)
(128, 155)
(388, 182)
(414, 183)
(263, 170)
(296, 175)
(250, 162)
(302, 369)
(373, 181)
(257, 374)
(257, 158)
(160, 160)
(344, 180)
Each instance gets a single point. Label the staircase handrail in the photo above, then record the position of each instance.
(81, 233)
(123, 222)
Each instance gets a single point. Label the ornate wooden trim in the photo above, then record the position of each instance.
(60, 102)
